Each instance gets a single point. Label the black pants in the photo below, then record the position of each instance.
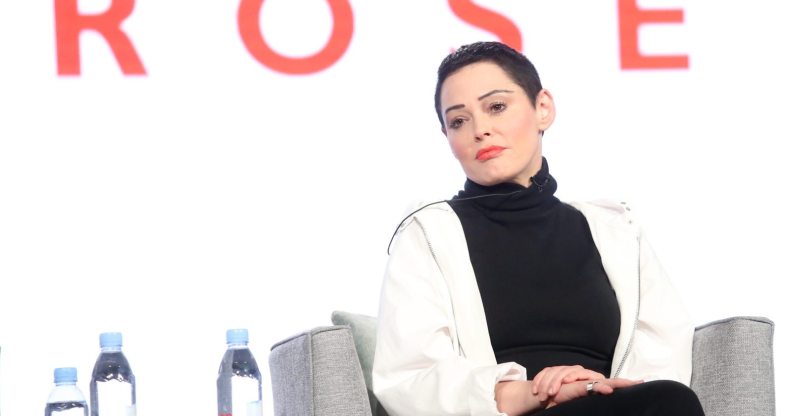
(653, 398)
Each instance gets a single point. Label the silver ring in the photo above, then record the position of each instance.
(590, 388)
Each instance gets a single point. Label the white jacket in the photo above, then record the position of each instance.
(434, 355)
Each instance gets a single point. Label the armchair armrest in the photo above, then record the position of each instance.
(318, 373)
(733, 367)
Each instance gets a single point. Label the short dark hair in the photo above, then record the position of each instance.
(515, 64)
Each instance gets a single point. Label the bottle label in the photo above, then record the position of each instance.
(254, 408)
(66, 409)
(245, 398)
(115, 398)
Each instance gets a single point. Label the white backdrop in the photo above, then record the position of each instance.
(215, 192)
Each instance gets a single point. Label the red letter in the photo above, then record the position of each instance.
(69, 23)
(488, 20)
(249, 29)
(630, 18)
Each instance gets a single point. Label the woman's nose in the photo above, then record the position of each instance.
(482, 130)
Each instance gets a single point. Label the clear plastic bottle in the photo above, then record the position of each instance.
(112, 382)
(66, 399)
(239, 379)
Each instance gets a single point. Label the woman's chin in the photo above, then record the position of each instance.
(489, 180)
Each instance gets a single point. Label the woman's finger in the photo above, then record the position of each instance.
(618, 383)
(583, 375)
(543, 385)
(538, 379)
(602, 388)
(540, 382)
(608, 386)
(549, 380)
(554, 383)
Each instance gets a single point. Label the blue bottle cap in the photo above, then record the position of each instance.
(110, 339)
(237, 336)
(65, 375)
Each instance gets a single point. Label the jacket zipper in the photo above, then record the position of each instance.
(434, 256)
(637, 311)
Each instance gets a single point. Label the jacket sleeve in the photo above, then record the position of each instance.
(663, 342)
(418, 367)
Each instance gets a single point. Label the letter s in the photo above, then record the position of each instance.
(488, 20)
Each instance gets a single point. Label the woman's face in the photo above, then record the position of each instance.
(491, 125)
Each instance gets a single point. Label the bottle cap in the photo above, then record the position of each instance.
(65, 375)
(237, 336)
(110, 339)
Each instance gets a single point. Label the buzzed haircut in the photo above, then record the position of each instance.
(514, 63)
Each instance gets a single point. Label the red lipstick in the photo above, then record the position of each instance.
(488, 153)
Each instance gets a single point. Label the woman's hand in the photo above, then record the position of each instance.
(516, 398)
(548, 382)
(579, 389)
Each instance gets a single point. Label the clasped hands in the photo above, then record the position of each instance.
(552, 386)
(556, 385)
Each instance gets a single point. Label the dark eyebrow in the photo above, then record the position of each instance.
(458, 106)
(454, 107)
(494, 92)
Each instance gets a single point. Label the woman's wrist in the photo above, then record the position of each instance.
(515, 398)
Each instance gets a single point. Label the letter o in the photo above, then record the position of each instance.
(340, 37)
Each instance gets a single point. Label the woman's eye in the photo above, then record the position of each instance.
(497, 107)
(455, 123)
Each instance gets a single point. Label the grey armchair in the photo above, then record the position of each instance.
(327, 370)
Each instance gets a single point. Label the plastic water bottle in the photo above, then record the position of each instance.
(239, 379)
(112, 382)
(66, 399)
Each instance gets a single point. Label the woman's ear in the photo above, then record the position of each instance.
(545, 109)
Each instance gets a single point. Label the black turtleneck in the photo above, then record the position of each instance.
(546, 296)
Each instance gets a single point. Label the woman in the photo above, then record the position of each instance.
(505, 300)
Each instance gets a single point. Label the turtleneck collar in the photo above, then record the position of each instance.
(509, 196)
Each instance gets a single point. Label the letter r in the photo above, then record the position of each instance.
(69, 23)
